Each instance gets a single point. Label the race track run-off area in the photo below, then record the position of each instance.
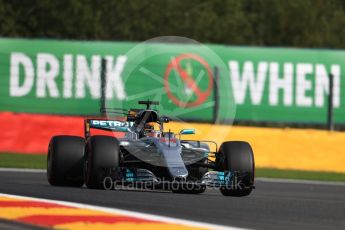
(273, 205)
(27, 201)
(282, 148)
(66, 215)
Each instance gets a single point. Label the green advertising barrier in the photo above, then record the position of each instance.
(255, 84)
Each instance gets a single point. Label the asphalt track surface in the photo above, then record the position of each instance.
(272, 205)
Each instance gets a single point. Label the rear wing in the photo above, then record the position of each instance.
(107, 125)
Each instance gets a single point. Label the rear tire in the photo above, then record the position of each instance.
(102, 156)
(65, 161)
(237, 156)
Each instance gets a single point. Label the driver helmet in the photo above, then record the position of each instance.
(150, 130)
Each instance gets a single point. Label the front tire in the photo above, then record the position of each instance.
(102, 156)
(237, 156)
(65, 161)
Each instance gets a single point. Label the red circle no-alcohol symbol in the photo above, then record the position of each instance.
(189, 81)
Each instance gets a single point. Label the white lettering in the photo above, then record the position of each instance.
(335, 70)
(303, 84)
(114, 81)
(240, 84)
(90, 77)
(18, 59)
(322, 85)
(46, 76)
(95, 122)
(118, 123)
(284, 84)
(67, 75)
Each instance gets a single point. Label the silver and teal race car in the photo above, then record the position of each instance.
(148, 156)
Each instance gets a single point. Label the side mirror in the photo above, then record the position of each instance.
(187, 131)
(164, 119)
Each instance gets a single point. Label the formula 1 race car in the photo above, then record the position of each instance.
(148, 156)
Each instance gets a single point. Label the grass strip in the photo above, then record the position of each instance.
(14, 160)
(38, 161)
(299, 174)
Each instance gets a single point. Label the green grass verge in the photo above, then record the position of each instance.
(299, 174)
(11, 160)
